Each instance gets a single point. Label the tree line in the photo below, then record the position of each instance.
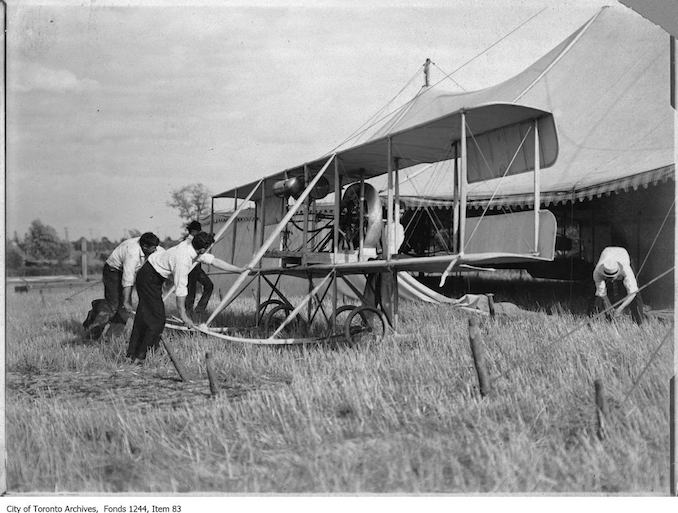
(41, 245)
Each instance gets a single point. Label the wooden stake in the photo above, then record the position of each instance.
(214, 388)
(478, 351)
(83, 258)
(175, 361)
(490, 304)
(601, 409)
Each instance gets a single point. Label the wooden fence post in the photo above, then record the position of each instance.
(83, 257)
(478, 351)
(601, 410)
(490, 304)
(175, 361)
(214, 388)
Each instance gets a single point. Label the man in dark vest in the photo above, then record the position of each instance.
(149, 321)
(197, 275)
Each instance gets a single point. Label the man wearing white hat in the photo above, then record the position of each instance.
(614, 266)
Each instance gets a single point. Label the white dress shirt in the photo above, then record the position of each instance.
(128, 258)
(177, 261)
(614, 256)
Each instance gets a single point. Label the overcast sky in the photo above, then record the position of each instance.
(111, 107)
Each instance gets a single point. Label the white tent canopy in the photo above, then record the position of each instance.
(607, 87)
(499, 131)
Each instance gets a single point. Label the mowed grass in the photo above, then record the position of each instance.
(399, 416)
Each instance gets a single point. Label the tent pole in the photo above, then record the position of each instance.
(455, 197)
(235, 213)
(386, 248)
(396, 205)
(462, 186)
(537, 187)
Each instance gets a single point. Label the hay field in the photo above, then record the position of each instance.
(394, 417)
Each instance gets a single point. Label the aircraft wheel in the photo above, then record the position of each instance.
(275, 318)
(342, 313)
(266, 305)
(364, 324)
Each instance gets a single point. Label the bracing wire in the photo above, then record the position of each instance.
(359, 131)
(448, 75)
(489, 47)
(656, 237)
(502, 176)
(608, 309)
(429, 211)
(366, 125)
(649, 361)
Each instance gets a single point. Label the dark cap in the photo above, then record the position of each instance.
(149, 239)
(194, 226)
(202, 240)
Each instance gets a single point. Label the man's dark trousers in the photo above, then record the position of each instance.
(197, 275)
(112, 279)
(110, 309)
(149, 320)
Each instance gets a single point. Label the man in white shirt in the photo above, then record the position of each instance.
(613, 269)
(118, 277)
(177, 261)
(379, 286)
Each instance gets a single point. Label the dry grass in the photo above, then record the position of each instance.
(393, 417)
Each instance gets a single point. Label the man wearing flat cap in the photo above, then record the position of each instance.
(612, 270)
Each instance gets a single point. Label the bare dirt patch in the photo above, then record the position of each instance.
(134, 386)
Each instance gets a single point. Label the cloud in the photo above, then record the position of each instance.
(36, 77)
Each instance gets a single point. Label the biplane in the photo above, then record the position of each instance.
(329, 247)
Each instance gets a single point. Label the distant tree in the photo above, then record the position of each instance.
(14, 257)
(168, 242)
(191, 201)
(107, 244)
(42, 242)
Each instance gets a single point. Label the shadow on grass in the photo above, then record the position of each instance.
(71, 325)
(537, 295)
(80, 337)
